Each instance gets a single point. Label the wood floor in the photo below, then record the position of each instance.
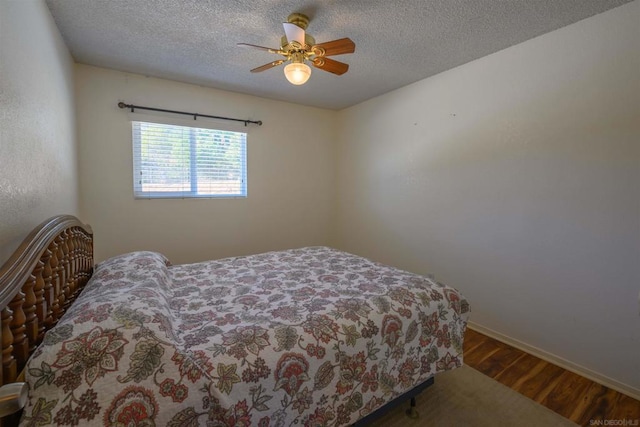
(572, 396)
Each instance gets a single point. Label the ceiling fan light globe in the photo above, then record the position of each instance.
(297, 73)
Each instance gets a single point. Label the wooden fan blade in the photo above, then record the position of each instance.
(267, 66)
(268, 49)
(330, 65)
(335, 47)
(294, 33)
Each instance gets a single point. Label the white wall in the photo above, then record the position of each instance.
(38, 167)
(290, 173)
(515, 178)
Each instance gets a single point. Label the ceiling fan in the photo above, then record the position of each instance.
(297, 47)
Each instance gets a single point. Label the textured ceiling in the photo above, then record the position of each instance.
(397, 42)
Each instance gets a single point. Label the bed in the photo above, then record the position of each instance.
(310, 336)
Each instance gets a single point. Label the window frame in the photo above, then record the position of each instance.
(192, 193)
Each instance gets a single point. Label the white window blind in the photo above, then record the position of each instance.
(180, 162)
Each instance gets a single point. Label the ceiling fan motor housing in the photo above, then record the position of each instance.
(308, 40)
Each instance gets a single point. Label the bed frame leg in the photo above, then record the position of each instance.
(412, 412)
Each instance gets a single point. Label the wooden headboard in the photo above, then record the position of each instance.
(38, 283)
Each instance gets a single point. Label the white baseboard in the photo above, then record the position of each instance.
(559, 361)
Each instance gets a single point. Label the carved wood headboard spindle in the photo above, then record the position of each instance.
(38, 283)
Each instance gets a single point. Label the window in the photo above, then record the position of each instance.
(179, 161)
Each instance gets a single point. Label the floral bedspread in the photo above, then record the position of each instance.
(310, 336)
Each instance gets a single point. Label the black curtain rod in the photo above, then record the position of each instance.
(194, 115)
